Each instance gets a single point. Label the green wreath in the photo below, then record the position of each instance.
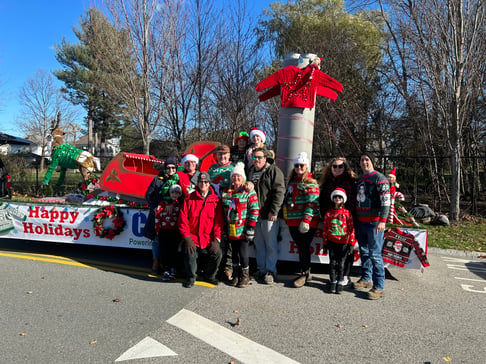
(108, 212)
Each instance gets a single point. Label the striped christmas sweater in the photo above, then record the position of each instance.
(301, 203)
(241, 210)
(373, 197)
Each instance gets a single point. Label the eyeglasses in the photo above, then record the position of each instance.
(258, 157)
(171, 167)
(338, 166)
(299, 165)
(203, 181)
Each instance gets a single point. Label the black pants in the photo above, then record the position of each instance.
(212, 264)
(169, 240)
(240, 252)
(303, 242)
(337, 256)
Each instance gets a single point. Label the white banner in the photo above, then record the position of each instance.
(74, 224)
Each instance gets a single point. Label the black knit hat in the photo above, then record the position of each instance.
(370, 155)
(171, 161)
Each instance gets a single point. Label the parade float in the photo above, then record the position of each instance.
(111, 210)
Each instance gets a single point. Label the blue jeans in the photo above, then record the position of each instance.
(156, 248)
(370, 248)
(266, 244)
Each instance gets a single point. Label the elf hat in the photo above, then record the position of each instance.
(189, 157)
(243, 135)
(339, 192)
(239, 168)
(260, 133)
(302, 159)
(393, 172)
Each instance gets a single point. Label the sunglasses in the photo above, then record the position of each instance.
(299, 165)
(203, 182)
(340, 166)
(340, 197)
(258, 157)
(171, 167)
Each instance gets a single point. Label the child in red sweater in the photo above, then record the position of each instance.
(168, 232)
(339, 233)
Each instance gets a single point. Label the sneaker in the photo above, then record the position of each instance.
(375, 294)
(362, 284)
(173, 273)
(188, 284)
(347, 282)
(339, 288)
(258, 276)
(269, 278)
(331, 288)
(166, 276)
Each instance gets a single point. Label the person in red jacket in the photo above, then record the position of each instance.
(338, 230)
(200, 224)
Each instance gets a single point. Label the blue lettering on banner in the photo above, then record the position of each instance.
(138, 222)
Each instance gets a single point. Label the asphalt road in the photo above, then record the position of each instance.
(64, 303)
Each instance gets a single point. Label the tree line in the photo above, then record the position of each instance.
(181, 71)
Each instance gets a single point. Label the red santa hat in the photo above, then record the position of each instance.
(189, 157)
(393, 172)
(256, 131)
(339, 192)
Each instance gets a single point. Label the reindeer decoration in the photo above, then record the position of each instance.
(66, 156)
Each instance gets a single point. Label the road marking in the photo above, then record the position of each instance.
(470, 279)
(83, 263)
(225, 340)
(147, 348)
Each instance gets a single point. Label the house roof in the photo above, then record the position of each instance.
(10, 139)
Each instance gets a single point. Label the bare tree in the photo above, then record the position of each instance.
(41, 101)
(448, 42)
(138, 80)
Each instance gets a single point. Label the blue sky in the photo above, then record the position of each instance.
(28, 31)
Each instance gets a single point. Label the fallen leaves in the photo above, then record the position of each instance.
(92, 342)
(23, 334)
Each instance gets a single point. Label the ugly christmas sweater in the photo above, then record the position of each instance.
(299, 86)
(398, 246)
(165, 220)
(241, 210)
(301, 203)
(338, 227)
(372, 197)
(220, 176)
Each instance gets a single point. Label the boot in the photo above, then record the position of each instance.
(301, 280)
(245, 278)
(236, 276)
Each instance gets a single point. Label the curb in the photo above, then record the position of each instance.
(456, 253)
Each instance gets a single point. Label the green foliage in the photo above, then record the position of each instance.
(468, 234)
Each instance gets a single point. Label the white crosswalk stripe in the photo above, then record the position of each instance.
(237, 346)
(147, 348)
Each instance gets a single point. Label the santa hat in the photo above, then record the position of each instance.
(239, 168)
(243, 135)
(302, 159)
(256, 131)
(393, 172)
(189, 157)
(339, 192)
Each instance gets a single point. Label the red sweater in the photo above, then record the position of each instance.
(164, 220)
(339, 227)
(201, 219)
(299, 86)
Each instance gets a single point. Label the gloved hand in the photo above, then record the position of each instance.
(213, 246)
(189, 246)
(250, 234)
(303, 227)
